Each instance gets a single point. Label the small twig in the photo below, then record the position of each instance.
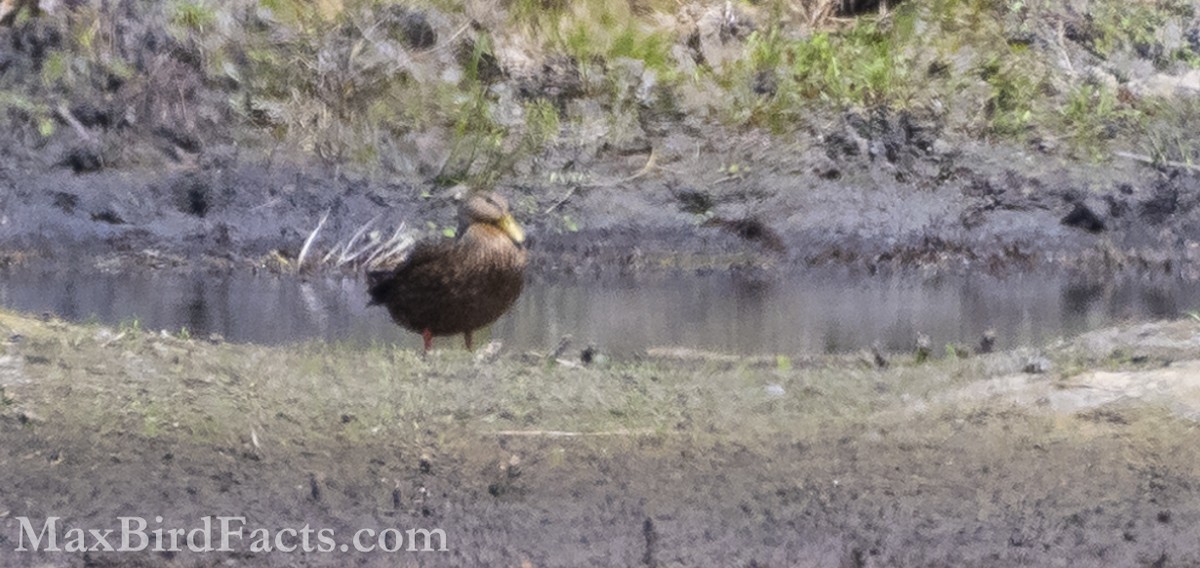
(563, 345)
(1062, 49)
(1153, 162)
(566, 434)
(389, 247)
(353, 240)
(559, 203)
(446, 42)
(268, 203)
(65, 114)
(651, 163)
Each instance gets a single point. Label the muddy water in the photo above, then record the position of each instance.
(802, 314)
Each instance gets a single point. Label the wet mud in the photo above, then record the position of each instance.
(662, 461)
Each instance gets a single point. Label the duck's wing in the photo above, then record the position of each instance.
(424, 254)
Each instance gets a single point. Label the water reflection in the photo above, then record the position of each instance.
(804, 314)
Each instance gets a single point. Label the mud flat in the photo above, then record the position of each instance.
(1079, 454)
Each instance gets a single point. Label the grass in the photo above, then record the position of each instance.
(1170, 137)
(186, 388)
(335, 80)
(1012, 95)
(191, 391)
(1092, 115)
(322, 432)
(1135, 26)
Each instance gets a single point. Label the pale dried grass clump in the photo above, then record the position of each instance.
(367, 249)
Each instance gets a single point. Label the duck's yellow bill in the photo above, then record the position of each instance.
(512, 229)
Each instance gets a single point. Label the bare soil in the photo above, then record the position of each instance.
(686, 459)
(975, 208)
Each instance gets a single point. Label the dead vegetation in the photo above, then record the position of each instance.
(460, 91)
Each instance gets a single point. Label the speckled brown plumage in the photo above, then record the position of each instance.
(452, 286)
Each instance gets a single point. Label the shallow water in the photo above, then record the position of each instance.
(797, 315)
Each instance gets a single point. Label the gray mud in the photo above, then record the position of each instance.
(672, 460)
(982, 208)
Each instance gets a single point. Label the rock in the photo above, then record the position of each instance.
(108, 216)
(192, 193)
(1085, 215)
(987, 343)
(558, 79)
(588, 355)
(1037, 365)
(414, 29)
(92, 116)
(842, 145)
(718, 33)
(65, 201)
(487, 67)
(765, 83)
(83, 159)
(694, 201)
(1161, 205)
(923, 348)
(314, 488)
(1103, 78)
(873, 358)
(880, 361)
(1171, 37)
(751, 229)
(1162, 85)
(631, 79)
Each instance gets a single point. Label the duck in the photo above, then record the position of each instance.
(450, 286)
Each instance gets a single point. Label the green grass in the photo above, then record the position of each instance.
(1133, 25)
(329, 79)
(191, 16)
(1092, 115)
(859, 67)
(1013, 94)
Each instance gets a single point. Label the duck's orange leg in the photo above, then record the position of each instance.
(467, 340)
(427, 335)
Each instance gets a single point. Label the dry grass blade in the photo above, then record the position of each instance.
(365, 247)
(309, 241)
(343, 252)
(1154, 162)
(651, 163)
(568, 434)
(396, 246)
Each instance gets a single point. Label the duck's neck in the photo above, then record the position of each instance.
(488, 240)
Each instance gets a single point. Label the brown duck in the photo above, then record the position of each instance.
(452, 286)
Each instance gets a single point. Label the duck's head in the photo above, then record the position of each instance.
(489, 209)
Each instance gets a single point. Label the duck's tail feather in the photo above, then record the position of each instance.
(380, 284)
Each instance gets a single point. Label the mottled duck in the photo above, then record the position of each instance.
(452, 286)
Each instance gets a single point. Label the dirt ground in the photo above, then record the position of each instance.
(673, 459)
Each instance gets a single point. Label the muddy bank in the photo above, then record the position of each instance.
(907, 202)
(677, 459)
(691, 137)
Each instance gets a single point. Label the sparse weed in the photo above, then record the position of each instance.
(326, 78)
(1091, 117)
(191, 16)
(131, 325)
(1013, 93)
